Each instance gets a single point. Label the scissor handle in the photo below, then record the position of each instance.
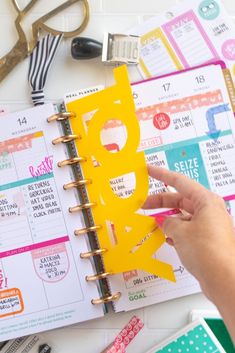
(40, 23)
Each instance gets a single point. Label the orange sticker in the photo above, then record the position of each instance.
(11, 302)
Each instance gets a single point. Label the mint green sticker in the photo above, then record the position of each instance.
(209, 9)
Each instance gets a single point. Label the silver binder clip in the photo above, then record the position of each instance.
(121, 48)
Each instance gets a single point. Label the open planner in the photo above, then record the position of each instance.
(73, 234)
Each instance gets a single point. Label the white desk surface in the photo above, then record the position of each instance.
(66, 75)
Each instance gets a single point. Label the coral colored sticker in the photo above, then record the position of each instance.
(51, 263)
(11, 302)
(126, 335)
(228, 49)
(161, 121)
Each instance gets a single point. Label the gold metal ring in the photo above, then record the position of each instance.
(81, 207)
(77, 183)
(87, 230)
(98, 276)
(86, 255)
(107, 299)
(71, 161)
(65, 139)
(61, 116)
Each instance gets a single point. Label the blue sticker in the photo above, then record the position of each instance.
(209, 9)
(213, 132)
(188, 160)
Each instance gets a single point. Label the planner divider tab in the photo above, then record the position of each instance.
(230, 86)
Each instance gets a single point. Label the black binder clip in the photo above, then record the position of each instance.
(44, 348)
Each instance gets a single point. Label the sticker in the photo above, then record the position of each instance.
(51, 263)
(11, 302)
(209, 10)
(188, 160)
(180, 105)
(189, 39)
(228, 49)
(126, 335)
(161, 121)
(154, 44)
(19, 143)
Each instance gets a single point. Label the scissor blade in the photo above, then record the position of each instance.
(14, 57)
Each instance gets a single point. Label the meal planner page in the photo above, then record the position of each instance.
(42, 277)
(187, 125)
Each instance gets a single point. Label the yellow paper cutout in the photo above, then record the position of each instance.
(152, 36)
(136, 237)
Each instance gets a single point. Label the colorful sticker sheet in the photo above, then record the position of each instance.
(189, 34)
(187, 125)
(42, 278)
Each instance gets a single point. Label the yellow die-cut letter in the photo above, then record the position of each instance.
(130, 238)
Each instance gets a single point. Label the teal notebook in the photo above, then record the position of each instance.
(196, 337)
(217, 326)
(219, 329)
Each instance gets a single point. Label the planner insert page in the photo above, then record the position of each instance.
(42, 278)
(187, 125)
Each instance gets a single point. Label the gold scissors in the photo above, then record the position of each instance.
(23, 47)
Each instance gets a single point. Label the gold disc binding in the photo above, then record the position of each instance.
(61, 116)
(81, 207)
(107, 299)
(87, 230)
(71, 161)
(65, 139)
(86, 255)
(98, 276)
(77, 183)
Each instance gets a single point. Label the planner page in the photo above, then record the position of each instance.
(189, 34)
(42, 277)
(187, 125)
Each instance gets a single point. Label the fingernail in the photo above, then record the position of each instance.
(170, 241)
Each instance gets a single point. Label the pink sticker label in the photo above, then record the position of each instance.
(129, 275)
(51, 263)
(189, 39)
(228, 49)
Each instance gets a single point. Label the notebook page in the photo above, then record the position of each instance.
(42, 278)
(187, 125)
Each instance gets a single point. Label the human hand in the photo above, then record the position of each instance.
(204, 239)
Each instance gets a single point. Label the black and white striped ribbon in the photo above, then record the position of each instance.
(40, 62)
